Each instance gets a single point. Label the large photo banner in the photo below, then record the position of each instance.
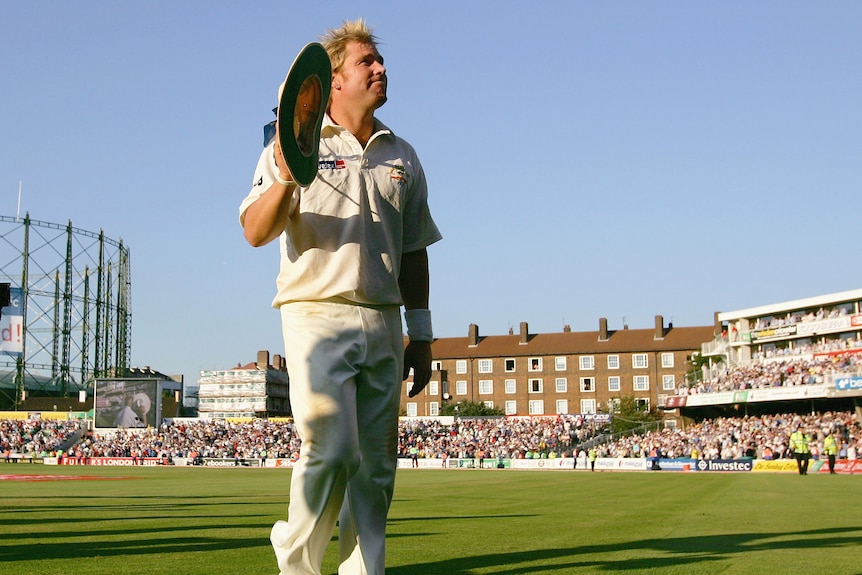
(12, 324)
(126, 403)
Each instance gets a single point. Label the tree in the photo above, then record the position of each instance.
(696, 363)
(469, 409)
(632, 414)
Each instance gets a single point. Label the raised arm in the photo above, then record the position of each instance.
(265, 219)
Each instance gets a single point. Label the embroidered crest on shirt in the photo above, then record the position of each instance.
(398, 173)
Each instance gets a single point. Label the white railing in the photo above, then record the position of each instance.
(714, 347)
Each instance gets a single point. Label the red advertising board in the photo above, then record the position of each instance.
(112, 461)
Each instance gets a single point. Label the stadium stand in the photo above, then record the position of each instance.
(762, 437)
(777, 373)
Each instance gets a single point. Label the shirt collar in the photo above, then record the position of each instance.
(379, 127)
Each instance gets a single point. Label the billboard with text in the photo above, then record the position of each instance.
(12, 324)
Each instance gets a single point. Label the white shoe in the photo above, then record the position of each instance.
(278, 538)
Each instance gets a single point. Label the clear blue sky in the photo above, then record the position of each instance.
(585, 159)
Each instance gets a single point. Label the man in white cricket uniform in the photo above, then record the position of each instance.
(353, 250)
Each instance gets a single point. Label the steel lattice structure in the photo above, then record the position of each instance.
(76, 307)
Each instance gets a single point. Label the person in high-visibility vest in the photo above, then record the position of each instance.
(830, 448)
(799, 445)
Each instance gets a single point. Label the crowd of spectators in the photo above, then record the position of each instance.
(777, 373)
(192, 439)
(260, 439)
(792, 318)
(507, 438)
(803, 347)
(35, 437)
(760, 437)
(763, 437)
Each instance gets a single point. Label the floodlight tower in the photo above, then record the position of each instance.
(69, 319)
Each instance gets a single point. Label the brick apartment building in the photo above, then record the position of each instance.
(555, 373)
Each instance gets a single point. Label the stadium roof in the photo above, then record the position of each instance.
(795, 305)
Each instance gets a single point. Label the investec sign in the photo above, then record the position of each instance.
(724, 465)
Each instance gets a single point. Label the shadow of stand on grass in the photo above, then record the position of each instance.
(657, 553)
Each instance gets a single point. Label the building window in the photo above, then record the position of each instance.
(667, 360)
(489, 404)
(509, 365)
(614, 383)
(562, 384)
(409, 387)
(511, 386)
(537, 407)
(588, 384)
(511, 407)
(433, 388)
(433, 409)
(411, 409)
(661, 400)
(560, 363)
(461, 387)
(486, 386)
(436, 366)
(535, 386)
(614, 405)
(587, 362)
(613, 362)
(668, 382)
(486, 366)
(641, 383)
(642, 403)
(562, 406)
(461, 366)
(639, 360)
(588, 406)
(535, 364)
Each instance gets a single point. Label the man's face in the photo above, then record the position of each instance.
(362, 77)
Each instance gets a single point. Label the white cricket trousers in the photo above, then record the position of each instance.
(345, 366)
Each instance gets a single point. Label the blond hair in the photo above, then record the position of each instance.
(335, 41)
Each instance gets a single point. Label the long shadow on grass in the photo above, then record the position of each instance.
(132, 542)
(106, 530)
(657, 553)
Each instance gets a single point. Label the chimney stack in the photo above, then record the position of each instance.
(263, 359)
(524, 334)
(473, 335)
(603, 329)
(659, 327)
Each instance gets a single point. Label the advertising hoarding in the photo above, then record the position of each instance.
(12, 324)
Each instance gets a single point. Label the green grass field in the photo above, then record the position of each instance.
(188, 521)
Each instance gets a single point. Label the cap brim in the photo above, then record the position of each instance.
(302, 104)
